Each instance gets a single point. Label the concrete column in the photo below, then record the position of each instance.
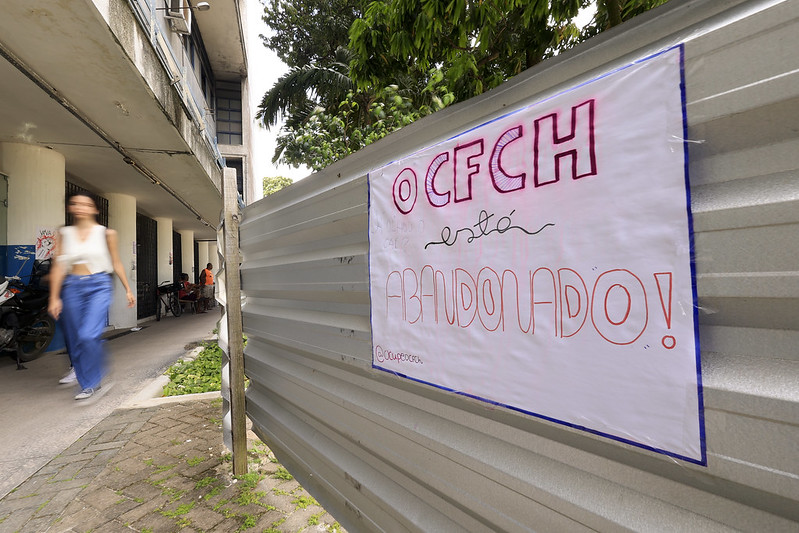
(213, 255)
(202, 256)
(187, 254)
(164, 244)
(35, 199)
(122, 218)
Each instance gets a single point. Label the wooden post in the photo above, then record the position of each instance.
(234, 325)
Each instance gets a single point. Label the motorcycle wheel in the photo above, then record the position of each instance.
(34, 339)
(175, 307)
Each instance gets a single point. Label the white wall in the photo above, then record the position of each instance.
(187, 253)
(122, 218)
(35, 190)
(164, 238)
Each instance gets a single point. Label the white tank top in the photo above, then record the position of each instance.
(93, 252)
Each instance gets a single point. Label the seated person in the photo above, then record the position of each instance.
(188, 291)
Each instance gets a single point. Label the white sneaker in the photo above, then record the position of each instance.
(69, 377)
(85, 393)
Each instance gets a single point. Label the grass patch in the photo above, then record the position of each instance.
(274, 527)
(249, 481)
(221, 504)
(282, 473)
(205, 482)
(179, 511)
(194, 461)
(250, 497)
(303, 502)
(216, 490)
(249, 522)
(203, 374)
(173, 494)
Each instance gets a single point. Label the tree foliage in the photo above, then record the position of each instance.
(326, 116)
(272, 184)
(361, 119)
(360, 69)
(304, 88)
(308, 32)
(477, 44)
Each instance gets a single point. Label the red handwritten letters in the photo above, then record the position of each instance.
(615, 304)
(553, 154)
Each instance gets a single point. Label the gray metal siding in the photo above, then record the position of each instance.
(386, 454)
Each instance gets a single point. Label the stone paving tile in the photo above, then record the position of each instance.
(59, 502)
(32, 486)
(36, 525)
(69, 470)
(162, 468)
(103, 446)
(71, 458)
(89, 472)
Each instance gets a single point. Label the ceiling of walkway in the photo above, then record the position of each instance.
(66, 48)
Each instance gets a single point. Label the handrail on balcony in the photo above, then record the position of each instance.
(145, 12)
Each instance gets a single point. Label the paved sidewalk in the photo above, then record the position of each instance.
(157, 469)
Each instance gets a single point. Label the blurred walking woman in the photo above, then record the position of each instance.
(81, 287)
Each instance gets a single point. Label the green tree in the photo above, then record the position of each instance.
(477, 44)
(310, 36)
(272, 184)
(361, 69)
(327, 137)
(308, 32)
(318, 100)
(296, 94)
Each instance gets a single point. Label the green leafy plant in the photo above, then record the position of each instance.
(249, 522)
(303, 501)
(249, 480)
(205, 482)
(274, 527)
(203, 374)
(282, 473)
(180, 510)
(194, 461)
(249, 497)
(214, 491)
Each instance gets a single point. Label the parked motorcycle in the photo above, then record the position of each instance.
(25, 325)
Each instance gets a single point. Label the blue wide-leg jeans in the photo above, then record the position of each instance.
(86, 300)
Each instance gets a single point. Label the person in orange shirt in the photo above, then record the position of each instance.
(207, 283)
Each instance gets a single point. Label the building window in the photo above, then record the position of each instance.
(237, 164)
(228, 112)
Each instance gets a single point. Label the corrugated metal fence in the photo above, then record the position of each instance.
(385, 454)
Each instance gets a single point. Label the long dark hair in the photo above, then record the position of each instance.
(70, 219)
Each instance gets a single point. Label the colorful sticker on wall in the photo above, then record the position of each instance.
(541, 261)
(45, 242)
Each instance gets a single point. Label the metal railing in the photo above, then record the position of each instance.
(181, 77)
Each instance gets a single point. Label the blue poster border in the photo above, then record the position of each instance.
(702, 461)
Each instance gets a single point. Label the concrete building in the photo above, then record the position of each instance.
(142, 103)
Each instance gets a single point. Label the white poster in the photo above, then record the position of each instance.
(45, 242)
(542, 262)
